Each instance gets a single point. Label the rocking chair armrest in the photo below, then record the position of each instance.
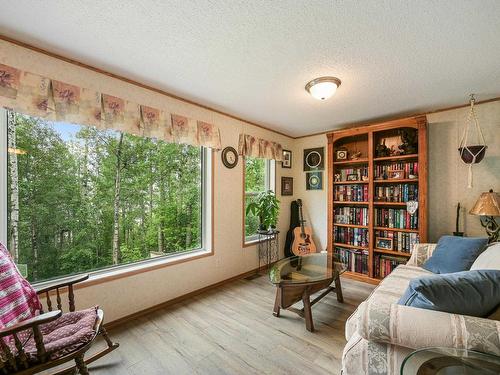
(30, 323)
(69, 281)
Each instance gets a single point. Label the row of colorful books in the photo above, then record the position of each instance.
(396, 170)
(397, 193)
(358, 172)
(355, 260)
(351, 236)
(351, 215)
(351, 193)
(395, 218)
(385, 264)
(403, 242)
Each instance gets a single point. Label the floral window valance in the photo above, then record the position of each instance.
(39, 96)
(259, 148)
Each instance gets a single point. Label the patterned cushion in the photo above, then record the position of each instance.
(66, 334)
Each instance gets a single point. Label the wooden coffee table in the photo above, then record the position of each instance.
(298, 277)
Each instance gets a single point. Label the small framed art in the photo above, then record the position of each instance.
(287, 159)
(286, 185)
(314, 181)
(383, 243)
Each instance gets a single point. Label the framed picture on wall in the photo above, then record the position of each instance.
(314, 181)
(286, 185)
(287, 159)
(314, 159)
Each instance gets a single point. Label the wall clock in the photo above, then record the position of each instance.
(229, 157)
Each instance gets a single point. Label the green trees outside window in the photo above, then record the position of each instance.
(259, 175)
(81, 199)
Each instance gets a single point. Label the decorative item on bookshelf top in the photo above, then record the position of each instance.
(341, 154)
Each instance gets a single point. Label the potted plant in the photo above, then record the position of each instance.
(267, 208)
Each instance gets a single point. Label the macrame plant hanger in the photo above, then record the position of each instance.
(472, 153)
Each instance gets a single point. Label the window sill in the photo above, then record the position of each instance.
(251, 242)
(127, 270)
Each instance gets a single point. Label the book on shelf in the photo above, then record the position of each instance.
(395, 218)
(359, 172)
(399, 169)
(351, 236)
(351, 193)
(355, 260)
(385, 264)
(351, 215)
(396, 193)
(402, 242)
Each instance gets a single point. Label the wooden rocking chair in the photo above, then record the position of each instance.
(26, 347)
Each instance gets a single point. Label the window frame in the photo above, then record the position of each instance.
(270, 182)
(123, 270)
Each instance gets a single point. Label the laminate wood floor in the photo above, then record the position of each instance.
(231, 330)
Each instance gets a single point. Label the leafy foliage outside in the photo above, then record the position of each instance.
(255, 182)
(92, 198)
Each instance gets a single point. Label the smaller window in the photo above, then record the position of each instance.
(259, 176)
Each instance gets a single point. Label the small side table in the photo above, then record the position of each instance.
(268, 247)
(448, 361)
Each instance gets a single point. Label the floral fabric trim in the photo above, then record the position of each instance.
(259, 148)
(50, 99)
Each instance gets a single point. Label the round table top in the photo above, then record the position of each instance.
(310, 268)
(445, 361)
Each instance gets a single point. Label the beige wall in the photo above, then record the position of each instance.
(125, 296)
(447, 173)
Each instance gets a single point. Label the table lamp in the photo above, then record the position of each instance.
(488, 207)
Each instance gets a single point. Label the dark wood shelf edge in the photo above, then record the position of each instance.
(396, 157)
(361, 277)
(397, 229)
(392, 252)
(347, 246)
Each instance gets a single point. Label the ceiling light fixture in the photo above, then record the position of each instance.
(323, 88)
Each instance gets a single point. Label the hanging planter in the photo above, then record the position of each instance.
(472, 153)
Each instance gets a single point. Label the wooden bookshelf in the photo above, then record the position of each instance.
(365, 140)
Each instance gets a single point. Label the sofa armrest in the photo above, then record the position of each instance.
(421, 252)
(419, 328)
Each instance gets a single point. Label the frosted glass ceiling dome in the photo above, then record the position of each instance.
(323, 88)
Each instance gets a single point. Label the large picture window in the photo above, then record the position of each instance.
(81, 199)
(259, 176)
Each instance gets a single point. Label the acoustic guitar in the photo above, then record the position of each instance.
(302, 243)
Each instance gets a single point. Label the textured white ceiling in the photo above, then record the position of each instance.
(253, 58)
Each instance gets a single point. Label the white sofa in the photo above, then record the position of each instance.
(381, 333)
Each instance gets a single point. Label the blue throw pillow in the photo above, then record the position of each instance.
(455, 254)
(474, 293)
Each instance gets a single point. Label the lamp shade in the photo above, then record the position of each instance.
(488, 204)
(323, 88)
